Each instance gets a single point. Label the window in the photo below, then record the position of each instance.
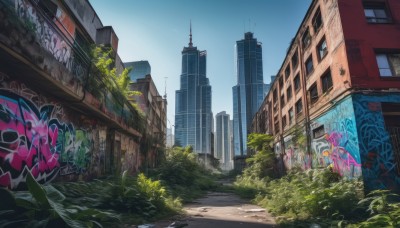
(297, 83)
(275, 96)
(376, 12)
(309, 65)
(299, 106)
(284, 121)
(295, 60)
(388, 64)
(317, 21)
(306, 39)
(313, 92)
(287, 72)
(281, 82)
(318, 132)
(291, 115)
(289, 93)
(326, 80)
(282, 100)
(322, 49)
(49, 8)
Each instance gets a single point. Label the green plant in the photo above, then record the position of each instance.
(384, 209)
(45, 206)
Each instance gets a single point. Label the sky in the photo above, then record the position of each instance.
(157, 31)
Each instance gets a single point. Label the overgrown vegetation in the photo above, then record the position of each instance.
(314, 197)
(110, 202)
(182, 174)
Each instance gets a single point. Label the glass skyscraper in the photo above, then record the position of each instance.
(250, 90)
(193, 115)
(139, 69)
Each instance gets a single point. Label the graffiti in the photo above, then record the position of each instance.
(338, 147)
(294, 156)
(378, 163)
(31, 140)
(48, 36)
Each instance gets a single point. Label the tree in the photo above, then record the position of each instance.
(261, 164)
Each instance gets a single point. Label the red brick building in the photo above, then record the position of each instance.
(339, 85)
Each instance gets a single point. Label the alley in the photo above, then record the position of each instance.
(223, 210)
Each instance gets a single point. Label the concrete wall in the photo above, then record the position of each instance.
(86, 15)
(43, 136)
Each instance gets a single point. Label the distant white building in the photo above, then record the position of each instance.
(222, 148)
(170, 138)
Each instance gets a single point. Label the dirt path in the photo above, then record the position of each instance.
(221, 210)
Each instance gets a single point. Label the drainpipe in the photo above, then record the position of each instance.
(304, 91)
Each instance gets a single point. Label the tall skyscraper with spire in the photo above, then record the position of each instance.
(250, 90)
(193, 115)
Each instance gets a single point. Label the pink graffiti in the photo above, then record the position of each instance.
(343, 161)
(295, 157)
(26, 143)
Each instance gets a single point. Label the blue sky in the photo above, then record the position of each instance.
(157, 31)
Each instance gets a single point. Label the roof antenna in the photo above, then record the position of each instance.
(190, 39)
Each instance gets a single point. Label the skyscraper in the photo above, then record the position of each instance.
(250, 90)
(222, 138)
(193, 116)
(139, 69)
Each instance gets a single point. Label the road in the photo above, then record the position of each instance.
(221, 210)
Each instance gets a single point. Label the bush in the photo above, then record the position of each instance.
(315, 193)
(182, 175)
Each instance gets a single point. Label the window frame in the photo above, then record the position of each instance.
(389, 55)
(300, 101)
(287, 72)
(309, 60)
(374, 6)
(323, 82)
(291, 115)
(316, 16)
(324, 51)
(313, 89)
(289, 93)
(295, 60)
(306, 39)
(297, 79)
(284, 121)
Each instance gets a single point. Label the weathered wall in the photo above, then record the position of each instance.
(355, 142)
(42, 136)
(338, 147)
(376, 152)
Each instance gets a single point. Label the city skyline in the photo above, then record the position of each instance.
(159, 30)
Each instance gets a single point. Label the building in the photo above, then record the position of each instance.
(139, 69)
(193, 115)
(223, 140)
(250, 90)
(61, 118)
(154, 109)
(170, 138)
(339, 87)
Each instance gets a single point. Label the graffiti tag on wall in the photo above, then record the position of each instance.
(378, 163)
(32, 140)
(338, 147)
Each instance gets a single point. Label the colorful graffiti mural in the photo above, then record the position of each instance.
(295, 155)
(338, 147)
(32, 140)
(378, 163)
